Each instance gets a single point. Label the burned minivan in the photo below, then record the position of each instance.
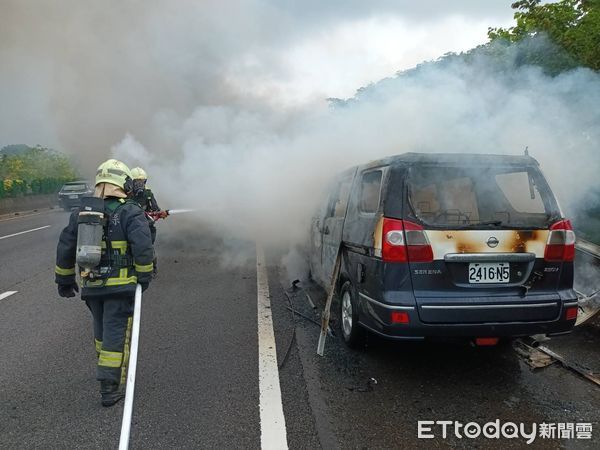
(446, 245)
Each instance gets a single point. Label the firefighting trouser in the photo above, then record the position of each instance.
(113, 317)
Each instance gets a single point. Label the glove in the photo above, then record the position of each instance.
(163, 214)
(68, 290)
(144, 286)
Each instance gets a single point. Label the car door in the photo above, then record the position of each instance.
(316, 242)
(333, 224)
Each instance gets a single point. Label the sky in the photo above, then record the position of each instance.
(67, 63)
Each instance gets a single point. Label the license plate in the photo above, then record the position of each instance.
(489, 273)
(73, 196)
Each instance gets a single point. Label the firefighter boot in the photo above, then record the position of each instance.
(110, 392)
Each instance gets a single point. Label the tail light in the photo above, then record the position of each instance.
(404, 241)
(393, 247)
(400, 317)
(571, 313)
(561, 242)
(486, 341)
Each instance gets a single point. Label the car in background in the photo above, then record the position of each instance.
(71, 193)
(446, 245)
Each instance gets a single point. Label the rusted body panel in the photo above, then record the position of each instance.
(475, 241)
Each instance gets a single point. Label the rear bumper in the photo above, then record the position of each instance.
(69, 202)
(376, 316)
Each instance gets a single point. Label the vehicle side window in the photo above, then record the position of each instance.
(339, 199)
(370, 187)
(518, 191)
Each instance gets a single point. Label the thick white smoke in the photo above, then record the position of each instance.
(260, 172)
(167, 86)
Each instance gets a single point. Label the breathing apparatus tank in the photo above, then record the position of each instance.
(90, 228)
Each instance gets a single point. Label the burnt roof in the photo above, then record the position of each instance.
(476, 159)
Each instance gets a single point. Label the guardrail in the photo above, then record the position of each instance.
(588, 247)
(589, 305)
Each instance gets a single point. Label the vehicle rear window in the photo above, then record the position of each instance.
(517, 189)
(74, 187)
(478, 196)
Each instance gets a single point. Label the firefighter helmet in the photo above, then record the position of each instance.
(115, 172)
(137, 173)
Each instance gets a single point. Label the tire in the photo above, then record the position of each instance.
(352, 333)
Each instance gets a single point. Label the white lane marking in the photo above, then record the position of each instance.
(7, 294)
(23, 232)
(273, 433)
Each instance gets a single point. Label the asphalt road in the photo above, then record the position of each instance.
(198, 382)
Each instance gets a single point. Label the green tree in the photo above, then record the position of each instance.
(34, 170)
(573, 25)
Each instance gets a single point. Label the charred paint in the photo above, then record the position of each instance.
(476, 241)
(378, 236)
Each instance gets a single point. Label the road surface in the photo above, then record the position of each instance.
(198, 380)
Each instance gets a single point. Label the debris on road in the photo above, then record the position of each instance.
(589, 305)
(310, 300)
(368, 387)
(541, 356)
(532, 356)
(583, 371)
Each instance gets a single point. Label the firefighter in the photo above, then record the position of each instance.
(125, 260)
(145, 197)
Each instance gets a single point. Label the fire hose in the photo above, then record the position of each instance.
(130, 388)
(157, 215)
(135, 337)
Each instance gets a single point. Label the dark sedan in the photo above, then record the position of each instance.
(71, 193)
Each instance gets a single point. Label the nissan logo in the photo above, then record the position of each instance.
(493, 242)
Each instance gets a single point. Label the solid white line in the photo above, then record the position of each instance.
(23, 232)
(7, 294)
(273, 433)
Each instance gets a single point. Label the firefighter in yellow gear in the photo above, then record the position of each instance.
(126, 260)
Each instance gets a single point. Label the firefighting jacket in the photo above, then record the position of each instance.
(127, 251)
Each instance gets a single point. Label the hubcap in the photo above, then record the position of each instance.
(346, 314)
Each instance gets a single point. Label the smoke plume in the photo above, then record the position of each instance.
(184, 90)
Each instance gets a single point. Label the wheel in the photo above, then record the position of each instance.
(352, 333)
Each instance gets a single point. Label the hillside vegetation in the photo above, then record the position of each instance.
(33, 170)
